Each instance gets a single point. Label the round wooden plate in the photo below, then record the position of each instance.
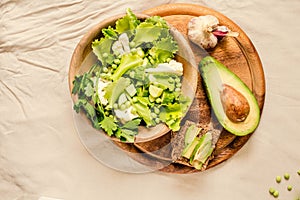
(238, 54)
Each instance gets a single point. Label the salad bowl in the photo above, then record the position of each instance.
(83, 59)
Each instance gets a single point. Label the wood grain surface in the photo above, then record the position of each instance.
(238, 54)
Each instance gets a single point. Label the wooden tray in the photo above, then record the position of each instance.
(238, 54)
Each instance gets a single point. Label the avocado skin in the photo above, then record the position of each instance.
(209, 67)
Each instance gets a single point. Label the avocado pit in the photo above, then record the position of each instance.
(234, 104)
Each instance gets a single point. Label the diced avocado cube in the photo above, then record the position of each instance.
(131, 90)
(155, 91)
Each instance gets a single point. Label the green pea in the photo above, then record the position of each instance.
(127, 104)
(132, 44)
(178, 85)
(289, 188)
(117, 61)
(286, 176)
(153, 115)
(105, 69)
(133, 110)
(156, 110)
(114, 66)
(134, 99)
(157, 120)
(123, 107)
(158, 100)
(276, 194)
(102, 75)
(278, 179)
(131, 74)
(171, 80)
(116, 106)
(271, 190)
(298, 172)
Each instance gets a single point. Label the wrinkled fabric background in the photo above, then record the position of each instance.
(41, 154)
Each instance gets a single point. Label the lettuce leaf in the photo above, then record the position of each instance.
(128, 61)
(110, 33)
(128, 23)
(115, 89)
(157, 21)
(168, 44)
(172, 114)
(164, 49)
(144, 112)
(162, 81)
(146, 33)
(102, 49)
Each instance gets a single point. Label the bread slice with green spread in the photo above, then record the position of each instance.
(194, 144)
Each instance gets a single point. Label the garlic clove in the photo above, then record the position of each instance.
(198, 31)
(205, 31)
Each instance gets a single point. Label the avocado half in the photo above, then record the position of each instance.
(215, 75)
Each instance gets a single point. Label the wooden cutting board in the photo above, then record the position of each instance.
(238, 54)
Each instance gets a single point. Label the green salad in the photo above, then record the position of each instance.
(136, 80)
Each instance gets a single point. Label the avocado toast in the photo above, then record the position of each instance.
(194, 144)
